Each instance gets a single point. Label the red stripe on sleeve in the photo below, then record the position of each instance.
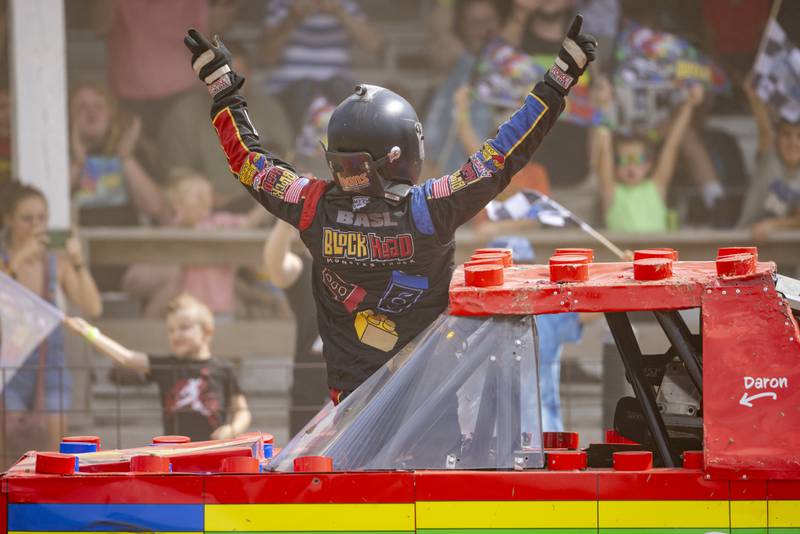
(230, 139)
(312, 193)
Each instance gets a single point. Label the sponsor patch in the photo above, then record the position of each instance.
(359, 247)
(284, 185)
(403, 291)
(479, 168)
(350, 295)
(220, 84)
(360, 203)
(465, 176)
(354, 182)
(440, 188)
(375, 330)
(562, 78)
(378, 219)
(254, 164)
(491, 159)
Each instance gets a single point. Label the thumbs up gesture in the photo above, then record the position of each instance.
(577, 51)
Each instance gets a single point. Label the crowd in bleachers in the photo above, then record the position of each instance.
(142, 151)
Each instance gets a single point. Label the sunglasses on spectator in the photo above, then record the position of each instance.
(631, 159)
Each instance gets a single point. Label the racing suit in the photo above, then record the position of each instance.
(381, 269)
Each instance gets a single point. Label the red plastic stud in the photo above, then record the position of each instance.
(504, 251)
(505, 258)
(170, 440)
(633, 460)
(723, 252)
(569, 268)
(240, 464)
(560, 440)
(82, 439)
(615, 438)
(313, 464)
(566, 460)
(483, 275)
(692, 459)
(148, 463)
(267, 438)
(736, 265)
(648, 269)
(485, 261)
(55, 463)
(668, 253)
(588, 252)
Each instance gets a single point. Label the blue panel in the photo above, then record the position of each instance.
(519, 125)
(419, 210)
(106, 517)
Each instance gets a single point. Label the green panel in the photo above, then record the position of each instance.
(666, 530)
(788, 530)
(749, 530)
(312, 532)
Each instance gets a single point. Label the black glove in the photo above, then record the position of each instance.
(577, 51)
(212, 63)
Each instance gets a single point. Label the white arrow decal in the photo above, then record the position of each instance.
(745, 400)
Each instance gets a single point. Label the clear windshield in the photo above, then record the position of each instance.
(463, 395)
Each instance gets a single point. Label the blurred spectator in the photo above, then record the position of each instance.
(473, 23)
(633, 186)
(5, 139)
(191, 197)
(200, 396)
(147, 64)
(537, 28)
(43, 382)
(308, 42)
(773, 201)
(221, 15)
(187, 139)
(110, 185)
(292, 273)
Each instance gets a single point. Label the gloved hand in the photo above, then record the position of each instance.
(211, 61)
(577, 51)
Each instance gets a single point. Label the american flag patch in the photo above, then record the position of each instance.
(440, 188)
(294, 190)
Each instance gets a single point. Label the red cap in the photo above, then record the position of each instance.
(633, 461)
(668, 253)
(147, 463)
(692, 459)
(648, 269)
(588, 252)
(504, 251)
(165, 440)
(730, 251)
(615, 438)
(566, 460)
(505, 258)
(568, 259)
(560, 440)
(55, 463)
(240, 464)
(489, 260)
(82, 439)
(736, 265)
(570, 272)
(313, 464)
(483, 275)
(267, 438)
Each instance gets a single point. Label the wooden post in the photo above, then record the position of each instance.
(37, 52)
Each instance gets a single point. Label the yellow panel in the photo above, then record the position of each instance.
(84, 532)
(784, 514)
(664, 514)
(505, 514)
(308, 517)
(748, 514)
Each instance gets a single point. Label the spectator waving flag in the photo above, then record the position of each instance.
(25, 321)
(776, 74)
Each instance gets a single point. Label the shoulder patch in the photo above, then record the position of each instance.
(419, 209)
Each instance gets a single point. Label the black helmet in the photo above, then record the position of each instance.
(374, 139)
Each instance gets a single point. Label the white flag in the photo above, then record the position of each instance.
(776, 74)
(25, 321)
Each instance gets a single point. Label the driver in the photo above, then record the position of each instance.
(382, 240)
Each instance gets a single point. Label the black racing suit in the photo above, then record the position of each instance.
(381, 270)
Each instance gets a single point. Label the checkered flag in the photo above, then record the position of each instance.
(776, 74)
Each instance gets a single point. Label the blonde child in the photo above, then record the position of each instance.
(200, 396)
(633, 186)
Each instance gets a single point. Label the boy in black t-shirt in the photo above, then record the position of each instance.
(199, 394)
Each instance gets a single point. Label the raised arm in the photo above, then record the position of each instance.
(665, 165)
(269, 180)
(454, 199)
(761, 115)
(283, 266)
(356, 25)
(137, 361)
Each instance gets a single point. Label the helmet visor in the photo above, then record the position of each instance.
(355, 172)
